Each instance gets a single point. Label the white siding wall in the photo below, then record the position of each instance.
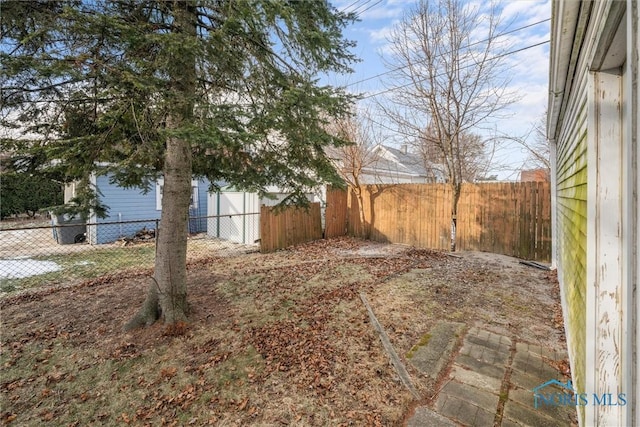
(606, 72)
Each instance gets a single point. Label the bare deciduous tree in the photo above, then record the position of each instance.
(449, 79)
(352, 160)
(473, 152)
(537, 146)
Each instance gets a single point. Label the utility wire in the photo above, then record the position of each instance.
(363, 11)
(445, 53)
(461, 68)
(352, 4)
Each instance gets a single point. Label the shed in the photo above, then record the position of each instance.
(234, 215)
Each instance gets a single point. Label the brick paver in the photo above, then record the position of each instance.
(492, 373)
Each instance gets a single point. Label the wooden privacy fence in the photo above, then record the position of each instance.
(335, 215)
(280, 228)
(507, 218)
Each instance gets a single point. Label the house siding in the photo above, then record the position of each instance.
(133, 204)
(593, 123)
(125, 204)
(571, 210)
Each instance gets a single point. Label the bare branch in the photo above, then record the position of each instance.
(448, 85)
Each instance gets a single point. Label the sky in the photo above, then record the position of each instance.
(528, 68)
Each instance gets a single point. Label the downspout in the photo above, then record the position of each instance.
(554, 204)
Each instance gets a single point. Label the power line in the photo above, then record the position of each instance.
(353, 4)
(357, 12)
(373, 5)
(462, 68)
(445, 53)
(348, 6)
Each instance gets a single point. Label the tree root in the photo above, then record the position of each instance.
(149, 312)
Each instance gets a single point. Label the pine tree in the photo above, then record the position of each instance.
(223, 89)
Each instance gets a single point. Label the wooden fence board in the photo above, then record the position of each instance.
(289, 226)
(335, 213)
(509, 218)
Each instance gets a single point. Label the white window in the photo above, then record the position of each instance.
(194, 194)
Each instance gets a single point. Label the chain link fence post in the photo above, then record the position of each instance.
(157, 233)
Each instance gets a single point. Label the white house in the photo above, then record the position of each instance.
(383, 164)
(592, 127)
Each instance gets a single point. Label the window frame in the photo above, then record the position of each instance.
(194, 194)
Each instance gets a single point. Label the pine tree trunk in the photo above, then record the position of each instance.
(171, 255)
(167, 295)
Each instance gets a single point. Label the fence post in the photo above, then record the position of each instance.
(157, 234)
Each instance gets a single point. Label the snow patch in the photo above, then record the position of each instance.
(21, 268)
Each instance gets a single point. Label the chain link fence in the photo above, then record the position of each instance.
(70, 251)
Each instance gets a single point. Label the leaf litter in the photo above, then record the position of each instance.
(276, 339)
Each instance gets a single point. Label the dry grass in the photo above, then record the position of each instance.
(278, 339)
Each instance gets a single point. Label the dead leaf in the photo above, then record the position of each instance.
(55, 376)
(9, 417)
(175, 330)
(169, 372)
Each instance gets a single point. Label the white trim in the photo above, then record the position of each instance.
(158, 190)
(606, 51)
(92, 230)
(609, 281)
(194, 194)
(564, 16)
(632, 99)
(591, 307)
(629, 243)
(605, 234)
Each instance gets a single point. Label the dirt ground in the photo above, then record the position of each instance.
(275, 339)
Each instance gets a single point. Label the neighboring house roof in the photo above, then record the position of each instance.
(390, 165)
(398, 160)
